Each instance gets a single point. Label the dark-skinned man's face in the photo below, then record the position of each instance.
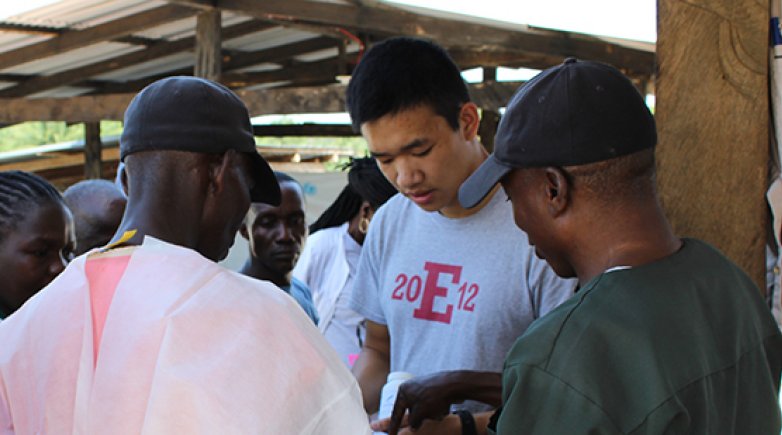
(276, 234)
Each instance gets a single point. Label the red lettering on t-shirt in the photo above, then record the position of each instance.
(432, 290)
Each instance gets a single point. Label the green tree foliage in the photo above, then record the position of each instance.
(33, 134)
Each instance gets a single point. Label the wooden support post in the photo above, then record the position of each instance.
(93, 161)
(488, 128)
(490, 118)
(208, 62)
(342, 61)
(490, 74)
(713, 122)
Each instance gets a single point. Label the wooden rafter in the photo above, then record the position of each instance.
(304, 130)
(33, 29)
(447, 32)
(323, 99)
(75, 75)
(231, 63)
(209, 40)
(304, 71)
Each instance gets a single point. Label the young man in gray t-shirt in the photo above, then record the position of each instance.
(443, 288)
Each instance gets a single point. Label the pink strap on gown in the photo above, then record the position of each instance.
(103, 274)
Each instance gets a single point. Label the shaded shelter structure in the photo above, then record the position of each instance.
(81, 61)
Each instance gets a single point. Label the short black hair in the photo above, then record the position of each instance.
(403, 73)
(632, 176)
(19, 190)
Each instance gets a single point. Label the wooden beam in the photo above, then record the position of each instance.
(73, 109)
(304, 130)
(93, 160)
(305, 71)
(11, 77)
(33, 29)
(447, 32)
(66, 168)
(80, 38)
(271, 152)
(233, 62)
(208, 62)
(476, 57)
(490, 119)
(323, 99)
(278, 54)
(41, 83)
(487, 129)
(59, 161)
(138, 40)
(493, 95)
(490, 74)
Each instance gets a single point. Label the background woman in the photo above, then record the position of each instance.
(36, 237)
(330, 257)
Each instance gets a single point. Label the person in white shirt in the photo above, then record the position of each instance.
(330, 258)
(148, 335)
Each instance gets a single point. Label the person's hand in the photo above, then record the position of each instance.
(421, 398)
(450, 425)
(383, 424)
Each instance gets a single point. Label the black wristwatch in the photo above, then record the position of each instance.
(468, 422)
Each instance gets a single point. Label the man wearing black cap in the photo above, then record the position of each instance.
(665, 335)
(149, 335)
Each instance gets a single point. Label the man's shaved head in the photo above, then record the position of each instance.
(97, 207)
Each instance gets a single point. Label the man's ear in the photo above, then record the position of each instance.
(469, 120)
(219, 168)
(557, 187)
(243, 231)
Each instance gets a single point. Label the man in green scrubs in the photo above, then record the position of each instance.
(665, 335)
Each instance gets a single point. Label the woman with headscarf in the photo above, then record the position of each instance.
(330, 257)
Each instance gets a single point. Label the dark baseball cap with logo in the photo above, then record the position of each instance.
(196, 115)
(573, 114)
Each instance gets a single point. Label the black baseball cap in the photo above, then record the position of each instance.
(198, 115)
(575, 113)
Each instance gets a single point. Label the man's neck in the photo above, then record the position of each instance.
(159, 217)
(640, 238)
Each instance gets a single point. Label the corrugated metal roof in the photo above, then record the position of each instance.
(82, 14)
(145, 69)
(72, 59)
(298, 39)
(79, 14)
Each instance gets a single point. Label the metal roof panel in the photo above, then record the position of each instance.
(73, 58)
